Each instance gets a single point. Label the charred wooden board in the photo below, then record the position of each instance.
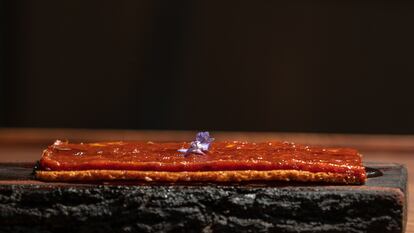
(27, 205)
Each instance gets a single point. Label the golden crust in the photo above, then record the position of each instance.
(200, 176)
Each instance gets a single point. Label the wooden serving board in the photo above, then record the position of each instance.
(27, 205)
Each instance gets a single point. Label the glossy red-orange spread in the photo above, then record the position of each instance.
(222, 156)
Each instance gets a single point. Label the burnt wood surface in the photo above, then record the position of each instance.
(27, 205)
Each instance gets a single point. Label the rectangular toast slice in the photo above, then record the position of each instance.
(233, 161)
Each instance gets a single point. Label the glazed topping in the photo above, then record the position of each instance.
(221, 156)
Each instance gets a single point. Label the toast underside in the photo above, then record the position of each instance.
(198, 176)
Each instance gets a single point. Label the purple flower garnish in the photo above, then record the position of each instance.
(200, 145)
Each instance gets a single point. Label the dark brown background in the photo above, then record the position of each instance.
(290, 65)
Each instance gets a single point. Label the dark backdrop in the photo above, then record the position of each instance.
(290, 65)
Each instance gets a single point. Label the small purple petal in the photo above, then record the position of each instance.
(183, 150)
(195, 151)
(204, 137)
(200, 145)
